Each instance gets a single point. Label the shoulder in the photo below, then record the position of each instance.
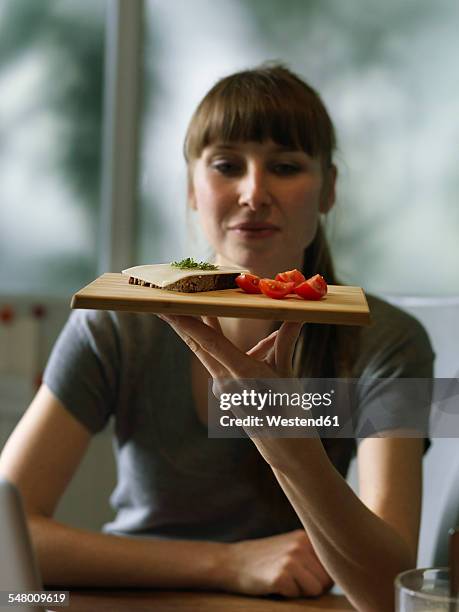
(125, 326)
(110, 336)
(98, 359)
(392, 324)
(393, 337)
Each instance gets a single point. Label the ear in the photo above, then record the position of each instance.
(328, 195)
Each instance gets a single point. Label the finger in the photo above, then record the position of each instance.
(308, 558)
(289, 588)
(284, 347)
(314, 566)
(307, 583)
(261, 349)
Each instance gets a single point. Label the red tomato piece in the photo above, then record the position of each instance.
(312, 289)
(248, 283)
(291, 276)
(275, 289)
(318, 283)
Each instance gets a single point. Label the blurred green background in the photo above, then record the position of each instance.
(384, 71)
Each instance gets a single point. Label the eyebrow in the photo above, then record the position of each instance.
(275, 149)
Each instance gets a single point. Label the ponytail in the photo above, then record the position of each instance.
(324, 351)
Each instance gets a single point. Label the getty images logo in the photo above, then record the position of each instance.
(272, 399)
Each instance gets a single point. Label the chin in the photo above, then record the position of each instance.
(263, 259)
(260, 265)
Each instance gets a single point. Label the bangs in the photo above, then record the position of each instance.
(254, 106)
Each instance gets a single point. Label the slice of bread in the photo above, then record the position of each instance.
(193, 284)
(186, 280)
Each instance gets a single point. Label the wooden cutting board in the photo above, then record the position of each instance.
(342, 305)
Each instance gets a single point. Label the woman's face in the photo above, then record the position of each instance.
(259, 203)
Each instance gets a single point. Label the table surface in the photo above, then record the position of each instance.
(130, 600)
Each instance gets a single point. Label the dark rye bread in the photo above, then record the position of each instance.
(194, 284)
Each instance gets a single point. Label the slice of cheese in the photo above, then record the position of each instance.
(163, 275)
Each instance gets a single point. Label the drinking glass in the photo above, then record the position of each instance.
(425, 590)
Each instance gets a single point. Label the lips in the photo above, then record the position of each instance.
(254, 226)
(254, 230)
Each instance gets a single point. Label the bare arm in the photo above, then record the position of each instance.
(41, 457)
(362, 543)
(365, 542)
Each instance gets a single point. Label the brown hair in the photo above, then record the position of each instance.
(324, 351)
(272, 103)
(269, 102)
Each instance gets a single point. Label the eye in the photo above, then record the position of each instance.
(285, 169)
(227, 168)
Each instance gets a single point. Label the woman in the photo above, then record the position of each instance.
(196, 512)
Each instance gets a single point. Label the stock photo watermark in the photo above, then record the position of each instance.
(333, 407)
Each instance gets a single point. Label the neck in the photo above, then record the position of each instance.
(245, 333)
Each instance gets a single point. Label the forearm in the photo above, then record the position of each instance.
(353, 544)
(76, 557)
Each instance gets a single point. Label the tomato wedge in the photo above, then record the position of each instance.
(249, 283)
(275, 289)
(291, 276)
(312, 289)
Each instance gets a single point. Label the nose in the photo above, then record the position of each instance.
(254, 187)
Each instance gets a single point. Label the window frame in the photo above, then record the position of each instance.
(120, 140)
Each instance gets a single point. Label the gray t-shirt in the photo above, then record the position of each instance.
(173, 481)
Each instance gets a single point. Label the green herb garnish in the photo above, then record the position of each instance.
(190, 264)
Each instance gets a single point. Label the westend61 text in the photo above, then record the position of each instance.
(278, 421)
(270, 398)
